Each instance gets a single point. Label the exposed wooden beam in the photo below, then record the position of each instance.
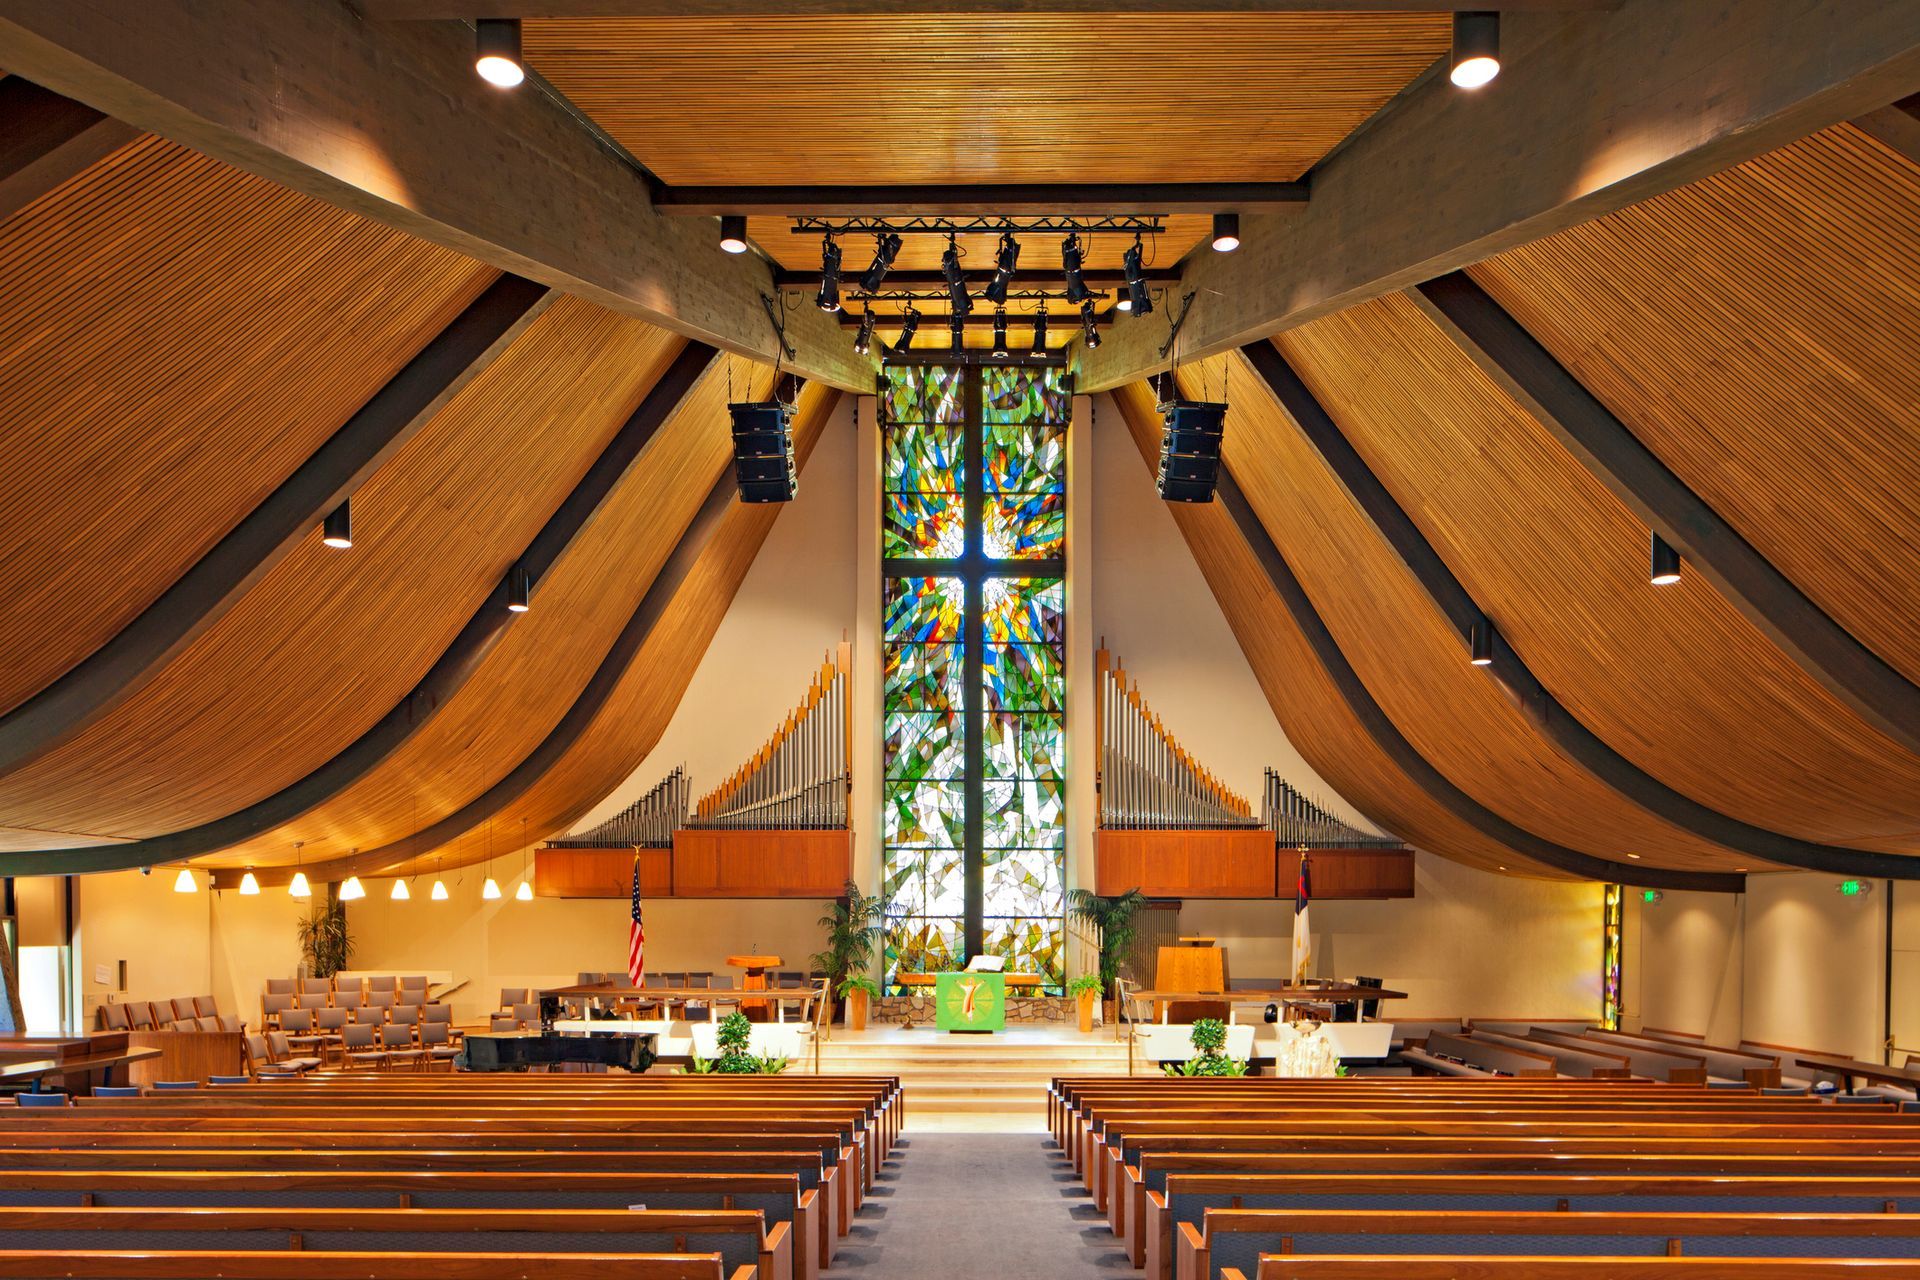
(1544, 711)
(457, 663)
(985, 200)
(1898, 126)
(1613, 455)
(1591, 112)
(393, 10)
(46, 139)
(388, 120)
(203, 595)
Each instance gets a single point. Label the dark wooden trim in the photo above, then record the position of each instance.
(1387, 736)
(46, 139)
(456, 665)
(984, 199)
(399, 10)
(1545, 712)
(203, 595)
(1896, 126)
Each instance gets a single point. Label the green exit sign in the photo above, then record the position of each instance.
(1650, 896)
(1852, 888)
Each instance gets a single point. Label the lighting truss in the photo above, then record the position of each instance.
(1127, 224)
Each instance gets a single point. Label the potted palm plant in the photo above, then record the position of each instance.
(1114, 918)
(853, 929)
(857, 991)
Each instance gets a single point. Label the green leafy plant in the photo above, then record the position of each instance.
(1209, 1039)
(867, 985)
(853, 930)
(736, 1053)
(1114, 918)
(1084, 983)
(325, 944)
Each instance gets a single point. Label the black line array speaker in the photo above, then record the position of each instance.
(1190, 450)
(763, 467)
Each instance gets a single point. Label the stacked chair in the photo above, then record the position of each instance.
(378, 1022)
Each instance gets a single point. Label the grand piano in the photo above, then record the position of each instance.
(520, 1050)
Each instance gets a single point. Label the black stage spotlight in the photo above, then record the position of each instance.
(1040, 331)
(885, 250)
(956, 278)
(496, 52)
(829, 299)
(1089, 327)
(763, 468)
(1476, 48)
(733, 232)
(1073, 260)
(908, 325)
(1004, 263)
(1226, 232)
(1123, 301)
(957, 332)
(863, 340)
(1000, 351)
(1666, 563)
(1190, 450)
(1137, 291)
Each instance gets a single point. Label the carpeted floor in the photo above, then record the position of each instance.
(979, 1206)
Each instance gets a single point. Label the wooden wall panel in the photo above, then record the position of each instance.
(761, 864)
(530, 679)
(1410, 658)
(1185, 864)
(984, 98)
(1351, 873)
(330, 641)
(1674, 678)
(1755, 330)
(1310, 710)
(176, 337)
(601, 873)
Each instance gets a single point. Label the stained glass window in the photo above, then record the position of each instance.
(975, 688)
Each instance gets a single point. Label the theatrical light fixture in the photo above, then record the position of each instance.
(1089, 327)
(957, 333)
(1000, 351)
(1004, 263)
(908, 326)
(352, 890)
(519, 590)
(1476, 48)
(497, 52)
(525, 892)
(1480, 643)
(956, 278)
(1190, 450)
(337, 529)
(400, 892)
(491, 889)
(863, 340)
(1226, 232)
(1123, 301)
(763, 462)
(733, 232)
(1040, 331)
(829, 296)
(1137, 291)
(298, 886)
(1073, 260)
(1666, 563)
(249, 887)
(185, 883)
(886, 248)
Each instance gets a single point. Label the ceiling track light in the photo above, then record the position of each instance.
(908, 327)
(337, 529)
(1006, 261)
(733, 232)
(1666, 563)
(886, 247)
(957, 332)
(496, 56)
(1073, 260)
(1040, 332)
(1475, 59)
(1132, 262)
(829, 297)
(1089, 326)
(863, 340)
(1000, 351)
(519, 590)
(1123, 301)
(1226, 232)
(956, 278)
(1480, 643)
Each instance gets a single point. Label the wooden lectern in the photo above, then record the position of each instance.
(1197, 966)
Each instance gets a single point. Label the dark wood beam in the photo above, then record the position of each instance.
(389, 120)
(46, 139)
(1613, 455)
(457, 664)
(1549, 717)
(122, 666)
(1897, 126)
(395, 10)
(1387, 736)
(988, 200)
(1591, 112)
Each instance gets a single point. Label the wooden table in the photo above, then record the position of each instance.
(1320, 993)
(1849, 1070)
(928, 979)
(35, 1072)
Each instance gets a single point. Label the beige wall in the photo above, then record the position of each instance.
(1685, 959)
(1815, 965)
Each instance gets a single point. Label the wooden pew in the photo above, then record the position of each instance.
(1469, 1054)
(1590, 1063)
(107, 1264)
(1673, 1065)
(1406, 1267)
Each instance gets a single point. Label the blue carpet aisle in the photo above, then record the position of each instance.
(979, 1206)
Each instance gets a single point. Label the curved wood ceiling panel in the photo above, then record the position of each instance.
(1674, 678)
(984, 98)
(178, 337)
(531, 678)
(1310, 710)
(329, 642)
(633, 718)
(1411, 660)
(1755, 331)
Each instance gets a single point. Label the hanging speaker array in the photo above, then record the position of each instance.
(1190, 450)
(763, 463)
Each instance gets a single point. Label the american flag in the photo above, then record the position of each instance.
(637, 935)
(1302, 935)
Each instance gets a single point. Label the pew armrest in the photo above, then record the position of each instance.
(1189, 1253)
(1232, 1273)
(776, 1253)
(742, 1273)
(806, 1253)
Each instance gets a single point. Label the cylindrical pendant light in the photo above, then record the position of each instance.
(733, 232)
(337, 529)
(249, 887)
(1475, 60)
(1480, 643)
(496, 43)
(185, 883)
(1666, 563)
(519, 590)
(352, 890)
(1226, 232)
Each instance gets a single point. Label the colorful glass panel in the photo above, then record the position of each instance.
(1025, 459)
(1023, 677)
(1032, 944)
(924, 456)
(1025, 611)
(923, 393)
(1025, 746)
(925, 745)
(924, 610)
(1024, 526)
(1019, 395)
(923, 525)
(925, 677)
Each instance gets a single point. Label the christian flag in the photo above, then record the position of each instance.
(637, 935)
(1302, 936)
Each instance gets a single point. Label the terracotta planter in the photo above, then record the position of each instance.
(856, 1010)
(1086, 999)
